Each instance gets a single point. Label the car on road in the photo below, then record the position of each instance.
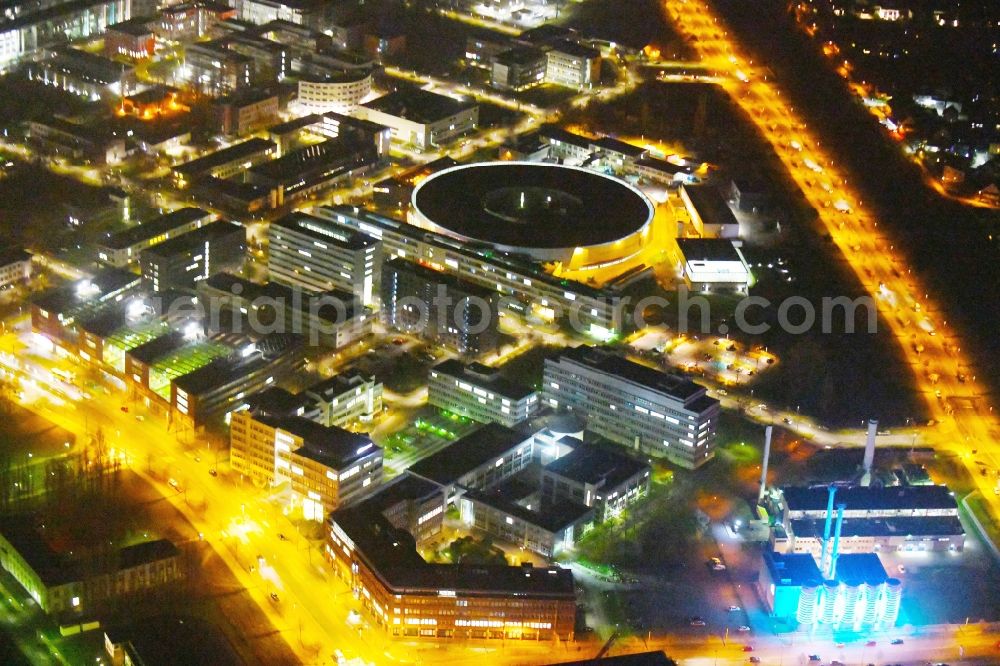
(274, 597)
(901, 569)
(896, 641)
(212, 472)
(748, 648)
(734, 609)
(718, 567)
(754, 660)
(814, 657)
(744, 629)
(282, 537)
(697, 622)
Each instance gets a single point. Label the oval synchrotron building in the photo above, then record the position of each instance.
(549, 212)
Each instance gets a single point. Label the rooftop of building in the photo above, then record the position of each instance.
(675, 386)
(146, 552)
(710, 204)
(509, 262)
(857, 568)
(139, 26)
(333, 305)
(792, 568)
(574, 49)
(338, 385)
(549, 517)
(156, 348)
(234, 153)
(294, 125)
(27, 536)
(322, 231)
(662, 166)
(224, 371)
(520, 55)
(22, 533)
(870, 497)
(432, 276)
(81, 294)
(418, 105)
(597, 466)
(708, 249)
(246, 97)
(89, 66)
(194, 240)
(615, 146)
(521, 204)
(276, 401)
(546, 33)
(558, 134)
(392, 555)
(13, 256)
(901, 526)
(105, 322)
(482, 375)
(164, 640)
(404, 488)
(331, 446)
(157, 226)
(478, 448)
(292, 166)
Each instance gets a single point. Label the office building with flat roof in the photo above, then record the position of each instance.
(32, 25)
(644, 409)
(374, 551)
(547, 529)
(15, 267)
(439, 307)
(481, 459)
(518, 68)
(597, 477)
(421, 118)
(713, 264)
(331, 319)
(54, 312)
(311, 253)
(570, 64)
(226, 162)
(301, 172)
(480, 393)
(326, 467)
(525, 289)
(197, 255)
(710, 214)
(67, 587)
(214, 390)
(123, 247)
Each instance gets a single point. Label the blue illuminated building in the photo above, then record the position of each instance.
(858, 595)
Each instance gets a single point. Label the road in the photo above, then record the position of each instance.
(964, 421)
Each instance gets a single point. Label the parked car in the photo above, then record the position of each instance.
(896, 641)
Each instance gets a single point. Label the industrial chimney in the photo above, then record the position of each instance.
(836, 541)
(763, 467)
(826, 528)
(866, 477)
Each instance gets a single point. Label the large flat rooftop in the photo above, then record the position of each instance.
(596, 466)
(481, 375)
(419, 106)
(466, 454)
(675, 386)
(871, 497)
(155, 227)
